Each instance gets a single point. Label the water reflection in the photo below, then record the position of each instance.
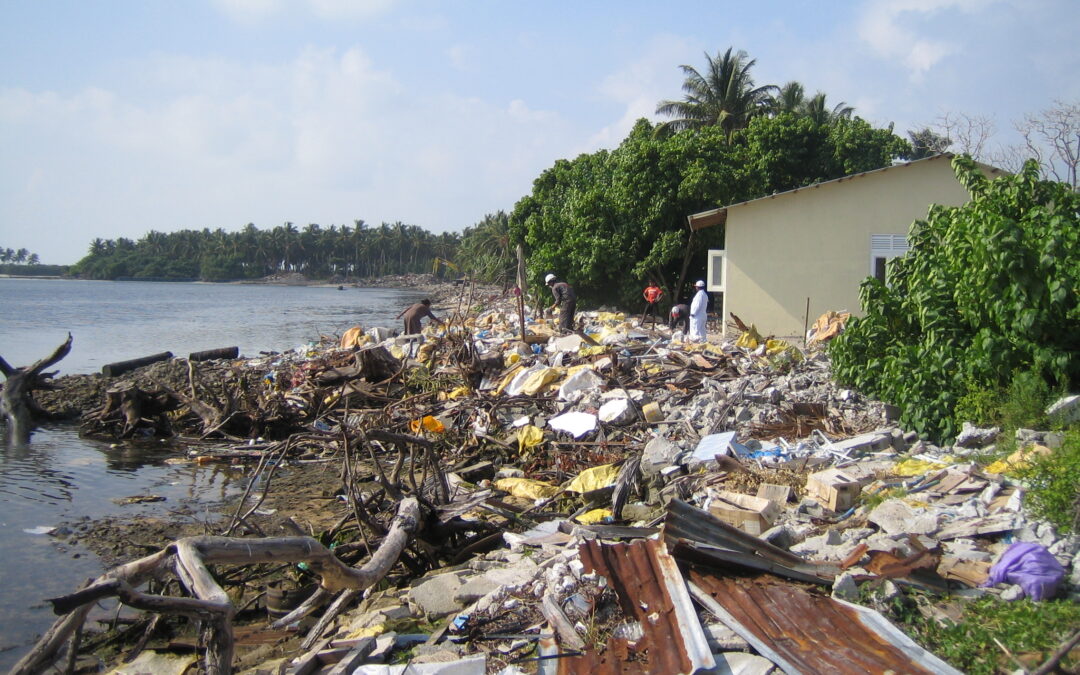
(59, 477)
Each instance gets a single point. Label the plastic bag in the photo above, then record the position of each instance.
(1032, 567)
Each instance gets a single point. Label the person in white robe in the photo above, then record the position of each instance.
(698, 309)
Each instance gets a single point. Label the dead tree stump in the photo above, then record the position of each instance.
(17, 401)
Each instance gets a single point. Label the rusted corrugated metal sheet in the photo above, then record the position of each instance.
(650, 588)
(707, 538)
(806, 633)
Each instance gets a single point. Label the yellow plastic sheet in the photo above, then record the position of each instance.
(918, 467)
(540, 380)
(457, 393)
(371, 631)
(603, 334)
(750, 339)
(529, 436)
(592, 350)
(426, 351)
(510, 358)
(526, 488)
(353, 337)
(713, 349)
(594, 478)
(1020, 459)
(398, 352)
(779, 347)
(610, 317)
(594, 516)
(508, 378)
(428, 423)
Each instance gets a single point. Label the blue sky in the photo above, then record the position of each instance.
(124, 116)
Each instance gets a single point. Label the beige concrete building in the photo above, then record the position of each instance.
(816, 244)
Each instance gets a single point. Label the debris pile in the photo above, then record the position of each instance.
(614, 500)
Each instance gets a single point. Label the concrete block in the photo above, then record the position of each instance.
(971, 436)
(1065, 410)
(845, 588)
(895, 517)
(659, 453)
(436, 595)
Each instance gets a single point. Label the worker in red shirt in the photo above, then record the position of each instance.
(652, 295)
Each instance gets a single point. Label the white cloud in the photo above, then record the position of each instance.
(350, 9)
(640, 84)
(458, 55)
(250, 10)
(253, 10)
(897, 29)
(327, 136)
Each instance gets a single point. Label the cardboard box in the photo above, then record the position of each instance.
(781, 494)
(833, 489)
(748, 513)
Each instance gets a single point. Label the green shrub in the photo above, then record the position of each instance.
(1053, 487)
(1022, 626)
(987, 289)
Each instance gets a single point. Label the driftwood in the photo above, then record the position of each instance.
(128, 408)
(188, 558)
(16, 400)
(121, 367)
(211, 354)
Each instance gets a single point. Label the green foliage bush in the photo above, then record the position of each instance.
(1020, 405)
(1022, 626)
(608, 221)
(987, 289)
(1053, 486)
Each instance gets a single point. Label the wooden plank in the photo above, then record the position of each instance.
(355, 657)
(309, 663)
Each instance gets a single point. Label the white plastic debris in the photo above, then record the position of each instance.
(577, 424)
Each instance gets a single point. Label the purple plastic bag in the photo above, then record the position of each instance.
(1031, 567)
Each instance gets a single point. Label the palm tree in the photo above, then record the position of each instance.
(791, 98)
(723, 96)
(33, 259)
(815, 109)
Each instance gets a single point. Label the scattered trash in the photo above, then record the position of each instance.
(569, 490)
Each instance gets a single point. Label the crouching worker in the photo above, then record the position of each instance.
(565, 300)
(414, 313)
(680, 318)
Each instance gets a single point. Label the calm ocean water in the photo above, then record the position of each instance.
(59, 477)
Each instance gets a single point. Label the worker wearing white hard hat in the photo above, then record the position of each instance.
(698, 313)
(565, 300)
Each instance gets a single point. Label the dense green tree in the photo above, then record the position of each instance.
(610, 220)
(987, 290)
(251, 253)
(724, 95)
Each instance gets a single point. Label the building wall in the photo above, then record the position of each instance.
(815, 242)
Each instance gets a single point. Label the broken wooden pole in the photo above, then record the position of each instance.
(211, 354)
(121, 367)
